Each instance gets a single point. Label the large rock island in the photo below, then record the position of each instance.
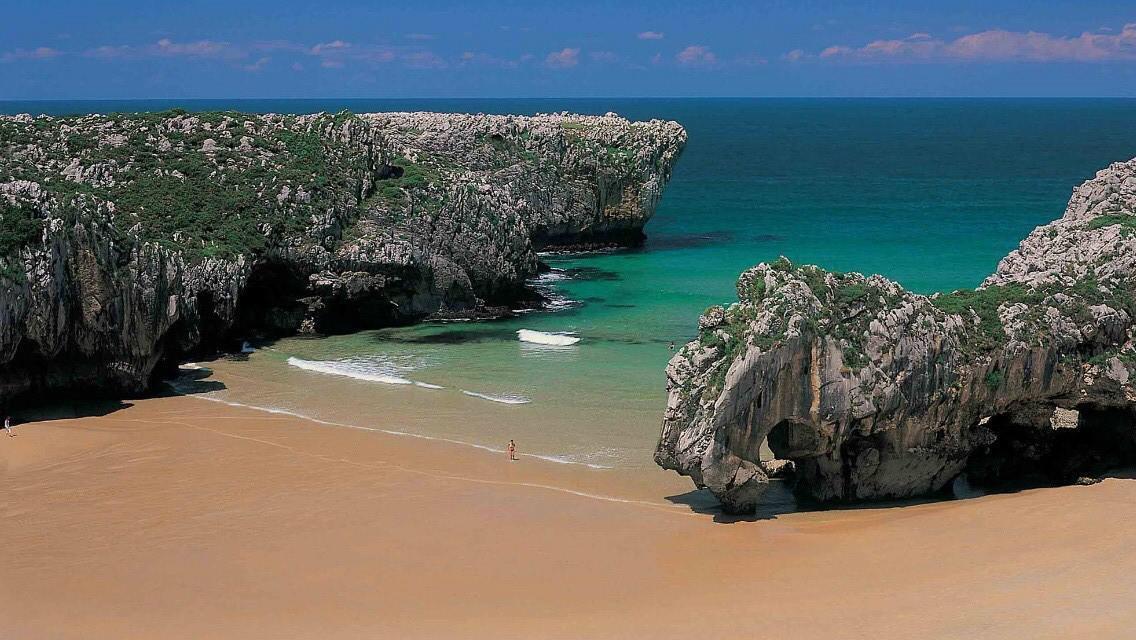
(128, 242)
(869, 391)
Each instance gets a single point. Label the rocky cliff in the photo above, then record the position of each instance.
(864, 390)
(128, 242)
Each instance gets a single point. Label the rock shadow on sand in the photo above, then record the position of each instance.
(780, 500)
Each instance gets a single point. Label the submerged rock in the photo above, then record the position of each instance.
(876, 392)
(130, 241)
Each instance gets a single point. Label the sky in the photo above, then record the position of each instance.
(107, 49)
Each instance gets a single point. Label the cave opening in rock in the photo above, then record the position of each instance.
(1024, 454)
(389, 172)
(270, 301)
(213, 329)
(790, 439)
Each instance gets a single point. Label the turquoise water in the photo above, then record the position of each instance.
(928, 192)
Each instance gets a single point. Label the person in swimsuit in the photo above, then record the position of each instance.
(512, 450)
(8, 425)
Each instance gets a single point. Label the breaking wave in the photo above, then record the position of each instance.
(545, 285)
(506, 398)
(359, 370)
(545, 338)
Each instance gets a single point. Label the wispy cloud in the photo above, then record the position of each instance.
(420, 36)
(108, 52)
(605, 57)
(258, 65)
(169, 48)
(696, 55)
(337, 54)
(424, 60)
(563, 59)
(650, 35)
(325, 48)
(39, 53)
(197, 48)
(470, 58)
(994, 45)
(796, 55)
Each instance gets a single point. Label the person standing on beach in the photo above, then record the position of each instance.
(512, 450)
(8, 425)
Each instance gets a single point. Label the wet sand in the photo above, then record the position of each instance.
(183, 518)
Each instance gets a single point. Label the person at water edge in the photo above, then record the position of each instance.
(8, 425)
(512, 450)
(672, 345)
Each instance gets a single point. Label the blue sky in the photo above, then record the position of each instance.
(52, 49)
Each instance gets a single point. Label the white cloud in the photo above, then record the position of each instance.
(563, 59)
(651, 35)
(696, 55)
(995, 45)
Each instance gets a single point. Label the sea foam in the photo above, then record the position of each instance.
(503, 398)
(545, 338)
(348, 369)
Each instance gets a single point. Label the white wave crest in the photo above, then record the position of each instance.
(348, 369)
(542, 337)
(503, 398)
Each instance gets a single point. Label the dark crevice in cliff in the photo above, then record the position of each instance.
(212, 326)
(1025, 454)
(389, 171)
(270, 305)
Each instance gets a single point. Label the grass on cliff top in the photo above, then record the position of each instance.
(220, 203)
(985, 303)
(398, 192)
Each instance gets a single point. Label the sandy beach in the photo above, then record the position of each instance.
(183, 518)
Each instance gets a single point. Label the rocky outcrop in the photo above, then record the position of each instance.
(130, 241)
(869, 391)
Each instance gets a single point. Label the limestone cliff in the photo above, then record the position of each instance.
(130, 241)
(871, 391)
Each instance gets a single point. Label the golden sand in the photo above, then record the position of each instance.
(182, 518)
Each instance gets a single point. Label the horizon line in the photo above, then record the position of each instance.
(712, 97)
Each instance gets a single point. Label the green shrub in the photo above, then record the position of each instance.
(994, 380)
(781, 264)
(1099, 222)
(19, 227)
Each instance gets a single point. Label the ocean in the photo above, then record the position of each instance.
(931, 193)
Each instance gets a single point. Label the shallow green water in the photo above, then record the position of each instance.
(929, 192)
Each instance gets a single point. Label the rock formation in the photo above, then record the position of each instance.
(128, 242)
(869, 391)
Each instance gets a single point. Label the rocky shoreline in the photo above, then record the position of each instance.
(865, 391)
(131, 241)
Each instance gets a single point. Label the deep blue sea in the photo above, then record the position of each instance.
(929, 192)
